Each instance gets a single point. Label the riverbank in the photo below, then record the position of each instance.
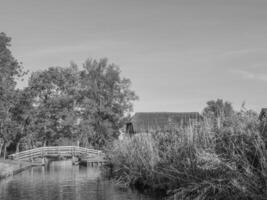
(11, 167)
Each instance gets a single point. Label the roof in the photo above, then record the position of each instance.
(160, 121)
(263, 113)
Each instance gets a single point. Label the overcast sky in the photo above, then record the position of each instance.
(178, 53)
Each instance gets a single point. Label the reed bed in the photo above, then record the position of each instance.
(198, 162)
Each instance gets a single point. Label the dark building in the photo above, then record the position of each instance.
(263, 124)
(161, 121)
(263, 114)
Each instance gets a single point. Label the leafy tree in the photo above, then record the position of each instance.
(218, 111)
(106, 100)
(10, 69)
(22, 115)
(54, 102)
(87, 106)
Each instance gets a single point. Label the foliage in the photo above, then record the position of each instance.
(54, 103)
(106, 99)
(87, 106)
(218, 111)
(197, 163)
(61, 105)
(21, 116)
(10, 69)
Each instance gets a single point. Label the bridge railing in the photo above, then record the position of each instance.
(54, 151)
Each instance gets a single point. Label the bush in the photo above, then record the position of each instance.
(197, 162)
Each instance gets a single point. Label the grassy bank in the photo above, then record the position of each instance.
(204, 162)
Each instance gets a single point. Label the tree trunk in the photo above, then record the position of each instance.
(32, 144)
(44, 144)
(17, 147)
(1, 146)
(5, 146)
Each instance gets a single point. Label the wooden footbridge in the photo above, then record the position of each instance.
(84, 155)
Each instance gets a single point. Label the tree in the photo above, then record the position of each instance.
(10, 69)
(87, 106)
(218, 111)
(106, 100)
(54, 102)
(22, 115)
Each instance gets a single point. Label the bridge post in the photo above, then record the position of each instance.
(42, 151)
(31, 157)
(73, 155)
(43, 160)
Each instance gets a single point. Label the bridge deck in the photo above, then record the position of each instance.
(62, 151)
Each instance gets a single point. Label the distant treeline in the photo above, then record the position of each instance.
(61, 105)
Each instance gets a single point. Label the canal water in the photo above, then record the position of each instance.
(60, 180)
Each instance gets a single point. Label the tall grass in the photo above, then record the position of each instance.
(199, 162)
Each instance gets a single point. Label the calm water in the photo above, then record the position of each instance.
(62, 181)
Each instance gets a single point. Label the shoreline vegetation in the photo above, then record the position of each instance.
(217, 159)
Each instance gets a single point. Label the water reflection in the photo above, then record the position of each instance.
(62, 181)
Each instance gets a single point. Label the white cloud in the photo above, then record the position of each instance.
(250, 75)
(242, 52)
